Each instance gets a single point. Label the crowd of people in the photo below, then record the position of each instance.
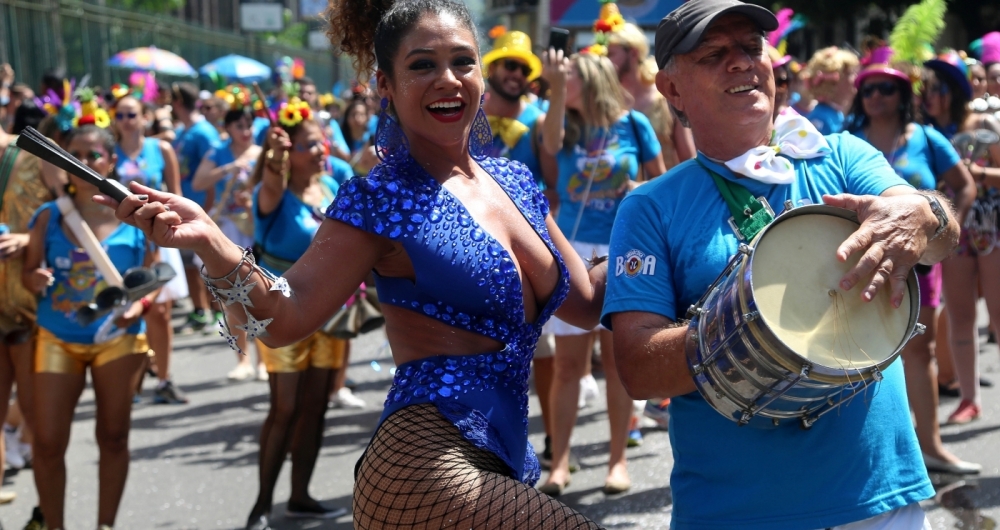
(523, 217)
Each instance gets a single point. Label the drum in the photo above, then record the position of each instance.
(776, 338)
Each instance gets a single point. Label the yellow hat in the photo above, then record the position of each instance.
(514, 45)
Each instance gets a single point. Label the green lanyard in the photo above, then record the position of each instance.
(749, 214)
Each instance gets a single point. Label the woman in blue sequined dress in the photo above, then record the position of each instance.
(468, 264)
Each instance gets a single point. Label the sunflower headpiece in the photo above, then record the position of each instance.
(90, 112)
(610, 20)
(293, 112)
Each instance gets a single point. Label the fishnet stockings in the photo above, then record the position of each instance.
(420, 473)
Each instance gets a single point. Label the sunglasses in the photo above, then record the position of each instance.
(937, 88)
(512, 66)
(886, 88)
(303, 148)
(122, 115)
(92, 156)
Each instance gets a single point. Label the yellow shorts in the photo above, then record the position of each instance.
(318, 350)
(58, 357)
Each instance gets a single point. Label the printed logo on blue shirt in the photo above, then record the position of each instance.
(634, 263)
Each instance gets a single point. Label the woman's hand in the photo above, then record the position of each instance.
(278, 141)
(38, 280)
(555, 66)
(167, 220)
(12, 245)
(130, 316)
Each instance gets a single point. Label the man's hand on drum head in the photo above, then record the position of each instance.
(894, 235)
(168, 220)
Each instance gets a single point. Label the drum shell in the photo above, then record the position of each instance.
(738, 362)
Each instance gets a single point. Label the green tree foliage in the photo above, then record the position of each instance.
(150, 6)
(294, 34)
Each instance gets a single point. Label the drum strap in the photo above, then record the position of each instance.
(749, 214)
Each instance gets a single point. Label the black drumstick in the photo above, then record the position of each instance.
(37, 144)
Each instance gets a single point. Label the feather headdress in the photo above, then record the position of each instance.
(917, 30)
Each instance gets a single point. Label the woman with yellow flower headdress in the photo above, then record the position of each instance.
(600, 146)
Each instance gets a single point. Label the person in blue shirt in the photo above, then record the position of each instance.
(882, 115)
(195, 137)
(599, 145)
(66, 278)
(290, 193)
(358, 136)
(152, 162)
(226, 171)
(864, 463)
(830, 76)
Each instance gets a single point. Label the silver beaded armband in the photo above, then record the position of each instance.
(238, 292)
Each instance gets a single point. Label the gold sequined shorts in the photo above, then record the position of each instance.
(53, 355)
(318, 351)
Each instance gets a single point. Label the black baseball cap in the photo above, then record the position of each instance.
(680, 31)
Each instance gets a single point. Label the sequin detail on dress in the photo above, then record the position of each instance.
(466, 279)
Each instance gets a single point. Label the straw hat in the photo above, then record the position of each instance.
(512, 45)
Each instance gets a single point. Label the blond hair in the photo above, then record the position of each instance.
(630, 36)
(602, 95)
(825, 69)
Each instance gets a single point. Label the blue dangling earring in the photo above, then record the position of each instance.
(481, 135)
(391, 144)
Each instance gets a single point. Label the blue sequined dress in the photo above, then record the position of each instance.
(466, 279)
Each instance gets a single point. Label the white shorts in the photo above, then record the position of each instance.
(546, 346)
(909, 517)
(558, 327)
(177, 288)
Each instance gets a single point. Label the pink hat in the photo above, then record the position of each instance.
(991, 48)
(778, 63)
(877, 62)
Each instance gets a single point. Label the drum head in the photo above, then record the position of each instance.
(795, 277)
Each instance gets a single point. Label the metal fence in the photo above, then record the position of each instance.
(36, 35)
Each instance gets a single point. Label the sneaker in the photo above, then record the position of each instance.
(656, 410)
(345, 399)
(37, 522)
(589, 391)
(634, 438)
(199, 320)
(12, 442)
(262, 372)
(7, 497)
(242, 372)
(168, 394)
(966, 412)
(104, 527)
(313, 512)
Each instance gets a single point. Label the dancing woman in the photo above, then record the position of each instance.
(290, 194)
(468, 266)
(882, 115)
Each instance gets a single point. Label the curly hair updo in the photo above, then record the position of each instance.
(370, 31)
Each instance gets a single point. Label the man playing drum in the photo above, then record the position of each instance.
(673, 237)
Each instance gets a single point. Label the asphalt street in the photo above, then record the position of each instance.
(194, 466)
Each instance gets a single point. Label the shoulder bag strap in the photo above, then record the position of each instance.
(6, 168)
(89, 241)
(749, 214)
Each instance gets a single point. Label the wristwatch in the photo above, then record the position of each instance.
(939, 212)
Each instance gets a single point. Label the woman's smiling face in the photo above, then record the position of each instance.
(436, 84)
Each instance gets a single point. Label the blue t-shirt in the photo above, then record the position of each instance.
(227, 201)
(525, 150)
(853, 464)
(191, 145)
(373, 124)
(339, 169)
(925, 156)
(146, 169)
(259, 127)
(287, 232)
(827, 119)
(611, 170)
(77, 279)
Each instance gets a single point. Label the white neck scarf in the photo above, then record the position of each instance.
(793, 137)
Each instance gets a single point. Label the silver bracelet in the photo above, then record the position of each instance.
(238, 292)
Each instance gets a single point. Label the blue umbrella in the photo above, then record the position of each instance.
(238, 68)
